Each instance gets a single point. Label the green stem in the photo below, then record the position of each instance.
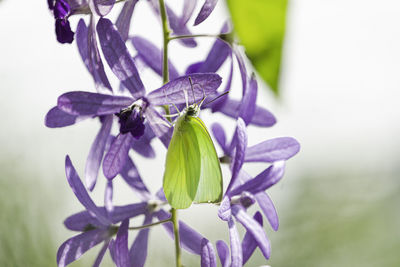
(174, 219)
(149, 225)
(166, 38)
(192, 36)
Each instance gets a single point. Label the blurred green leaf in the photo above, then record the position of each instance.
(260, 26)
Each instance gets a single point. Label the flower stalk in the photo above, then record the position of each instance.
(166, 38)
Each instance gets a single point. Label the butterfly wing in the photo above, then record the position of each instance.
(182, 167)
(209, 188)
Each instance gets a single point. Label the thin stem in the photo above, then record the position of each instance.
(174, 219)
(166, 37)
(193, 36)
(150, 224)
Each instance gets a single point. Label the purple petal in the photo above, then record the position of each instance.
(242, 68)
(138, 250)
(247, 199)
(187, 10)
(236, 248)
(117, 155)
(81, 193)
(205, 11)
(96, 153)
(268, 208)
(152, 56)
(193, 68)
(100, 255)
(223, 253)
(132, 177)
(75, 247)
(57, 118)
(85, 103)
(118, 58)
(261, 117)
(101, 7)
(108, 196)
(111, 248)
(159, 125)
(219, 134)
(63, 31)
(82, 220)
(272, 150)
(121, 245)
(124, 19)
(143, 145)
(190, 239)
(61, 9)
(248, 104)
(216, 57)
(208, 258)
(238, 160)
(87, 46)
(179, 28)
(254, 228)
(204, 84)
(262, 181)
(220, 102)
(249, 244)
(224, 211)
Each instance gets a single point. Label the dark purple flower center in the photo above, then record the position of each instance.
(131, 121)
(63, 31)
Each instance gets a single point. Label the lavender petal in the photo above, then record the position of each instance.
(81, 193)
(268, 208)
(132, 177)
(101, 7)
(272, 150)
(205, 11)
(254, 228)
(219, 134)
(57, 118)
(138, 250)
(242, 68)
(187, 11)
(108, 196)
(124, 19)
(118, 57)
(96, 153)
(208, 258)
(249, 244)
(152, 56)
(262, 181)
(238, 160)
(223, 253)
(143, 145)
(91, 104)
(159, 125)
(190, 239)
(179, 28)
(216, 57)
(121, 245)
(224, 211)
(261, 117)
(100, 255)
(220, 102)
(87, 46)
(248, 104)
(117, 155)
(204, 84)
(75, 247)
(236, 248)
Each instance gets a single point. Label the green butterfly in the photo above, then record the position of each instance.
(192, 168)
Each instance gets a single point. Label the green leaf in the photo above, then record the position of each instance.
(260, 26)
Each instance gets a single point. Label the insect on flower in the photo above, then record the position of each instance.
(192, 168)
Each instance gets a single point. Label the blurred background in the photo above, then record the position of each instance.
(339, 201)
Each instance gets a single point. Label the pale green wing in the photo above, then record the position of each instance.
(182, 167)
(210, 183)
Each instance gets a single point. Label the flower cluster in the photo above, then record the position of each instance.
(142, 114)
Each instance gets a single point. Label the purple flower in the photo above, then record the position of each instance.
(61, 10)
(140, 107)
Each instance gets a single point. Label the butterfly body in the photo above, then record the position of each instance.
(192, 168)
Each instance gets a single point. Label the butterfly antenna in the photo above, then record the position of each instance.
(192, 87)
(221, 95)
